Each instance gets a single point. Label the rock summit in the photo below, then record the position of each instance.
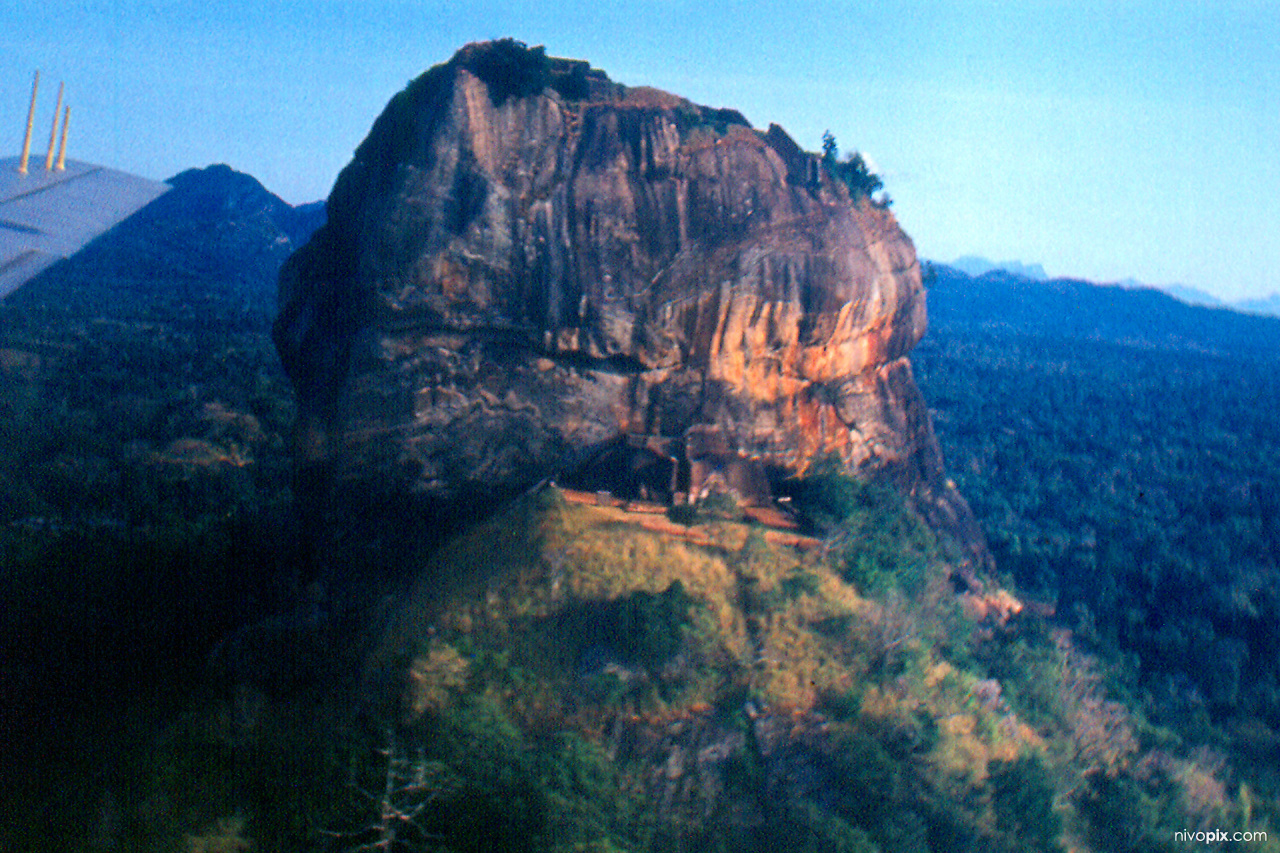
(526, 261)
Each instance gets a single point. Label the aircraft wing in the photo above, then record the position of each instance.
(49, 215)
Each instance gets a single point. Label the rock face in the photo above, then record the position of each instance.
(526, 260)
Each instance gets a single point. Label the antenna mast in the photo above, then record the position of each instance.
(31, 118)
(61, 165)
(53, 131)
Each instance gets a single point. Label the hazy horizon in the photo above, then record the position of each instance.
(1102, 140)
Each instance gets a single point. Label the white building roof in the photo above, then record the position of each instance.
(47, 216)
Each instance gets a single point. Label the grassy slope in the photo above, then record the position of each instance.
(563, 677)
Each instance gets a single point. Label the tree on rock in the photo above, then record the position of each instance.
(851, 171)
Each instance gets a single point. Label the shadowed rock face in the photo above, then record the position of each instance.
(525, 259)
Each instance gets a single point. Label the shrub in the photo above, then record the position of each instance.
(649, 628)
(1022, 798)
(879, 544)
(718, 506)
(852, 171)
(643, 629)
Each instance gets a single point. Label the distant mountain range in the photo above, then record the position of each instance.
(1267, 305)
(975, 266)
(1071, 309)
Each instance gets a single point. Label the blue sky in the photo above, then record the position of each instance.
(1101, 139)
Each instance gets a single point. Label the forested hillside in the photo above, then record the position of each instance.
(578, 672)
(1122, 452)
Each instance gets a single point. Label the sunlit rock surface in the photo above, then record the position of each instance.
(525, 260)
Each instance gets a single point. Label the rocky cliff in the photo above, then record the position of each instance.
(525, 260)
